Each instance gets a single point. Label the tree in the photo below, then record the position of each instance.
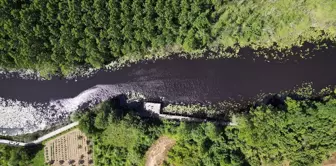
(101, 120)
(269, 135)
(14, 156)
(86, 123)
(66, 34)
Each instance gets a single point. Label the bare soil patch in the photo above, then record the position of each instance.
(331, 161)
(157, 153)
(72, 148)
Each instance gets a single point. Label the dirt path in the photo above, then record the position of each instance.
(157, 153)
(331, 161)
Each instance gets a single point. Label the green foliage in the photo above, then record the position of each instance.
(192, 109)
(86, 123)
(123, 134)
(201, 144)
(125, 140)
(300, 132)
(58, 36)
(14, 156)
(305, 90)
(38, 160)
(303, 134)
(119, 140)
(263, 23)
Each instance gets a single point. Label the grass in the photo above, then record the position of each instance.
(38, 160)
(190, 109)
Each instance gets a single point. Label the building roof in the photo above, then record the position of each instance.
(153, 107)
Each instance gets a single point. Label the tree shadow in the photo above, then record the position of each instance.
(33, 149)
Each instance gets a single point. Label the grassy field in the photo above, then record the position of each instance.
(38, 160)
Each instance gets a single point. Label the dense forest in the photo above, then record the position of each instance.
(17, 156)
(298, 132)
(54, 36)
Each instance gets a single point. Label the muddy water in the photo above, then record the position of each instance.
(188, 80)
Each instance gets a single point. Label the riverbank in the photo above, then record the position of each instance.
(79, 38)
(305, 51)
(40, 139)
(277, 130)
(32, 104)
(229, 77)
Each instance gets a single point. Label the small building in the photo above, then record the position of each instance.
(72, 148)
(153, 107)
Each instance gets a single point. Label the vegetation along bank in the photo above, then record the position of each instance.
(58, 36)
(299, 130)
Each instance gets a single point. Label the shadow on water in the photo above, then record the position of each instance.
(182, 80)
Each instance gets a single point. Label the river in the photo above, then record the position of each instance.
(176, 80)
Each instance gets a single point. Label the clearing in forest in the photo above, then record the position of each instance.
(157, 153)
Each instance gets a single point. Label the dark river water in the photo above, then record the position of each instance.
(188, 80)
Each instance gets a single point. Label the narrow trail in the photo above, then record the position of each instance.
(157, 153)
